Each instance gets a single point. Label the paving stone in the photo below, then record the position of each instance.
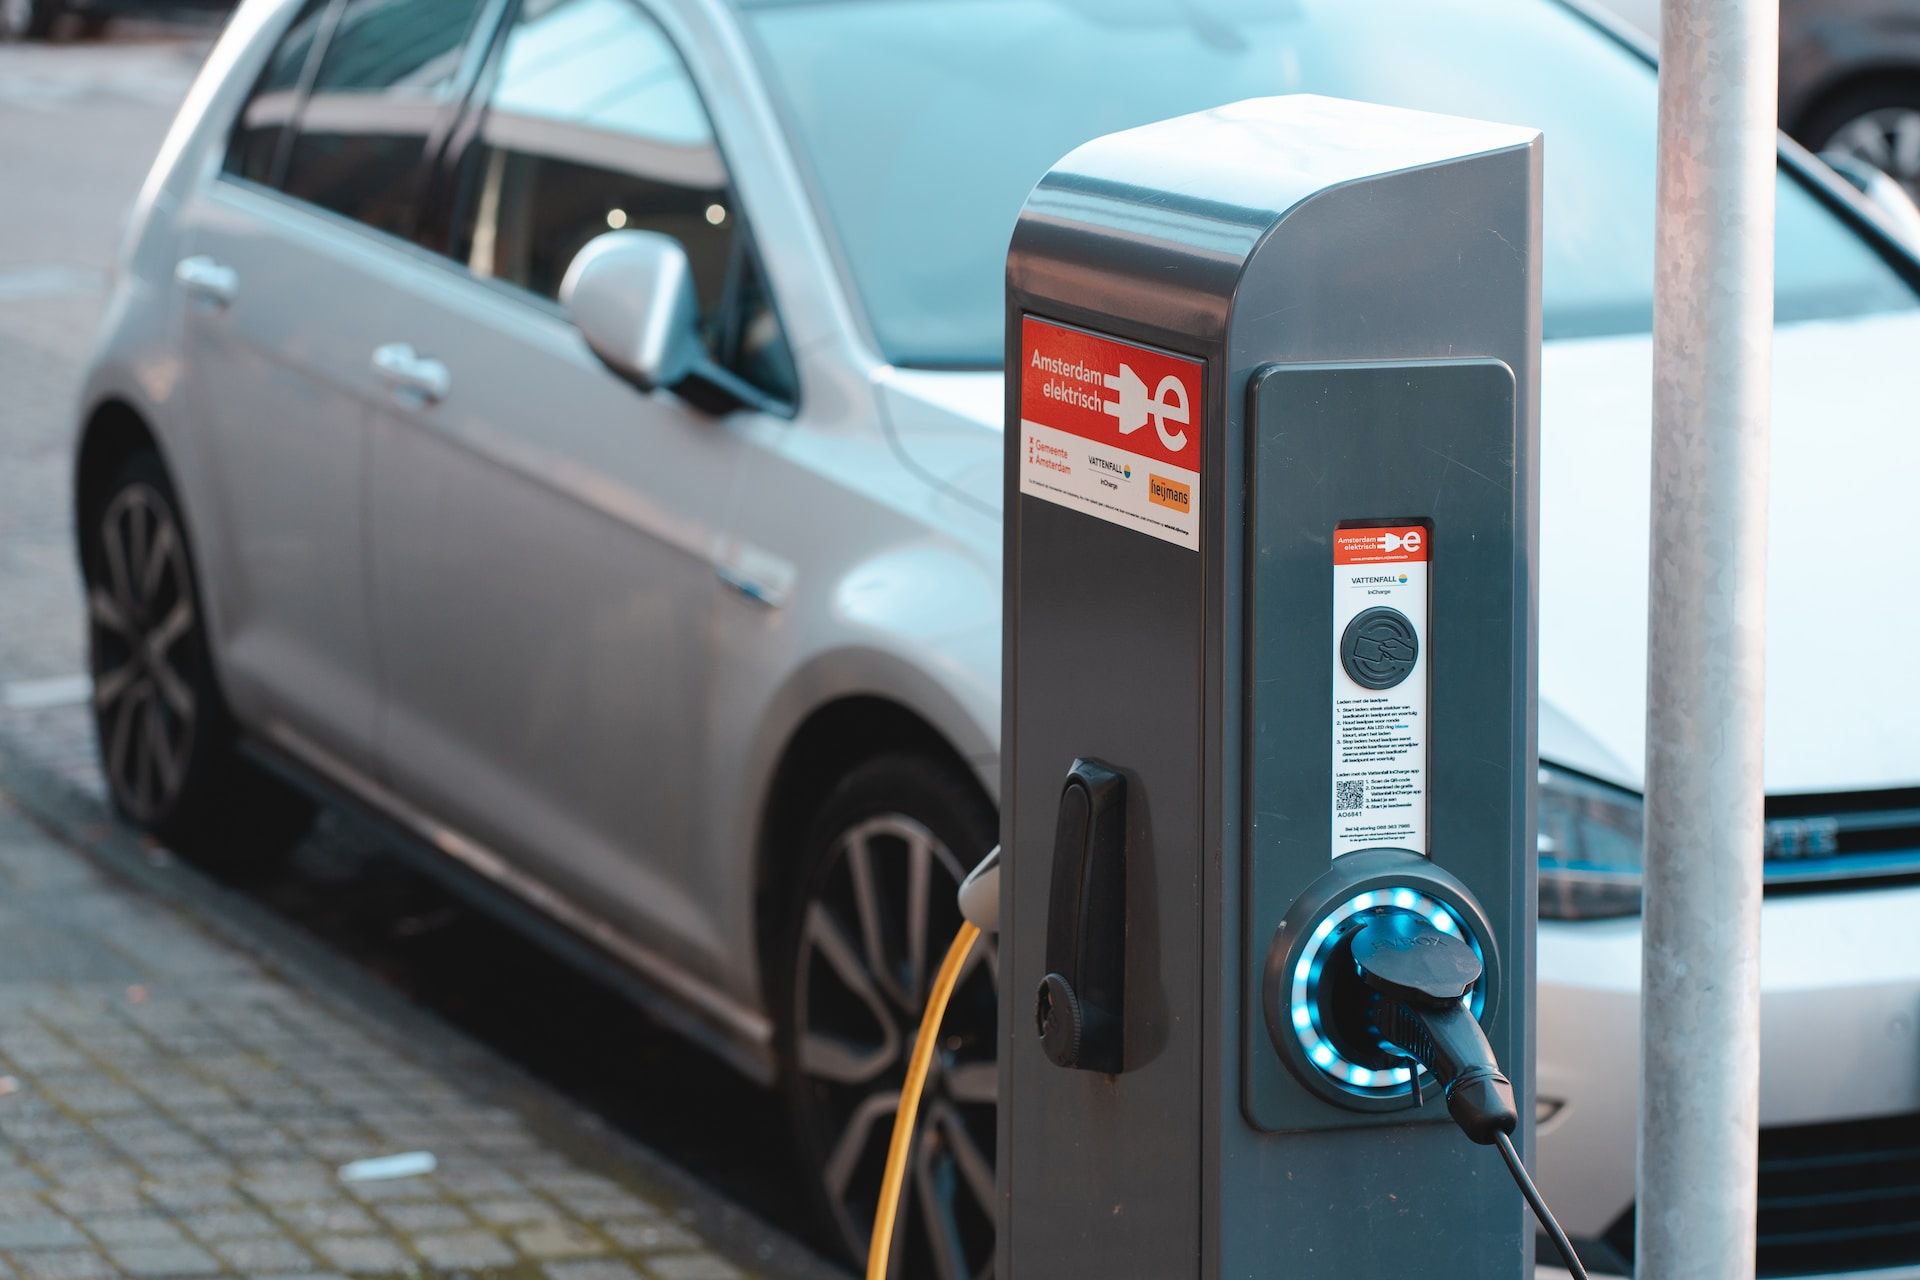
(187, 1170)
(479, 1180)
(599, 1207)
(92, 1173)
(39, 1233)
(194, 1195)
(507, 1213)
(278, 1190)
(590, 1269)
(363, 1255)
(434, 1216)
(62, 1264)
(385, 1190)
(557, 1239)
(131, 1228)
(338, 1218)
(230, 1224)
(164, 1260)
(281, 1256)
(459, 1250)
(98, 1200)
(650, 1236)
(694, 1266)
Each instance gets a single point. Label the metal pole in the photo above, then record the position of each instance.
(1712, 356)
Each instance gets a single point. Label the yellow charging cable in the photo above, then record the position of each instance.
(889, 1206)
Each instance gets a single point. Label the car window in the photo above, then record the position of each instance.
(593, 123)
(926, 123)
(384, 81)
(254, 149)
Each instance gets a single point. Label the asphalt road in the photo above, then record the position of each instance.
(79, 124)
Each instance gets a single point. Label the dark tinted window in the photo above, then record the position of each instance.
(383, 83)
(593, 123)
(263, 121)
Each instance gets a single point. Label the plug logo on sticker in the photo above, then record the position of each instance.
(1134, 407)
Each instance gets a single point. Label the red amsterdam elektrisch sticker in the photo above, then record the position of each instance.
(1111, 429)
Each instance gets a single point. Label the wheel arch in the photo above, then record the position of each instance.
(830, 742)
(113, 432)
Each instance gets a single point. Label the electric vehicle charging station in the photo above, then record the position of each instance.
(1269, 672)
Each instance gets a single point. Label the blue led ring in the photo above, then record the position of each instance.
(1349, 1075)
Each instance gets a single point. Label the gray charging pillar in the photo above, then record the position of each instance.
(1272, 412)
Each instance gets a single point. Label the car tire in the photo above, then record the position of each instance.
(873, 917)
(167, 745)
(28, 19)
(1877, 121)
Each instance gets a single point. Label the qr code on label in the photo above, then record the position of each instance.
(1347, 794)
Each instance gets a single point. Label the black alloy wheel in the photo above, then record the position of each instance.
(143, 622)
(166, 743)
(1878, 122)
(875, 918)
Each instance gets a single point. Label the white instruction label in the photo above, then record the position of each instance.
(1380, 689)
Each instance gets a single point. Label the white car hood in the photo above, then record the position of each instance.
(1845, 489)
(1842, 712)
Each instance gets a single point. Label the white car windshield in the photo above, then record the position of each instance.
(926, 122)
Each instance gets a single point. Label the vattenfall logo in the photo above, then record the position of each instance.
(1379, 577)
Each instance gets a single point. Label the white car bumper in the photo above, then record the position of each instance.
(1840, 984)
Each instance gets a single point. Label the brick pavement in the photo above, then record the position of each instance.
(170, 1106)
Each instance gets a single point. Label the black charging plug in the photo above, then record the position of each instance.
(1421, 977)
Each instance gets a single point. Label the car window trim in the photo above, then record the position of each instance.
(466, 130)
(447, 110)
(303, 87)
(851, 298)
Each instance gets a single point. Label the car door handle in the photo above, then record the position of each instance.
(205, 278)
(413, 378)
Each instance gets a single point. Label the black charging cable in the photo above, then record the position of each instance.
(1420, 978)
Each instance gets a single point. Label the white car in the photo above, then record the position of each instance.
(708, 673)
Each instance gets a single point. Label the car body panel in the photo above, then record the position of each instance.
(278, 385)
(1844, 454)
(551, 706)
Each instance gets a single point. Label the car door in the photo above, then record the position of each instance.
(546, 537)
(284, 256)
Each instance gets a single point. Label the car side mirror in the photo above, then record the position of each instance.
(631, 295)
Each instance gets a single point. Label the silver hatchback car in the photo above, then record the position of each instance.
(659, 585)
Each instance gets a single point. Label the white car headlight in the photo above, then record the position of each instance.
(1591, 846)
